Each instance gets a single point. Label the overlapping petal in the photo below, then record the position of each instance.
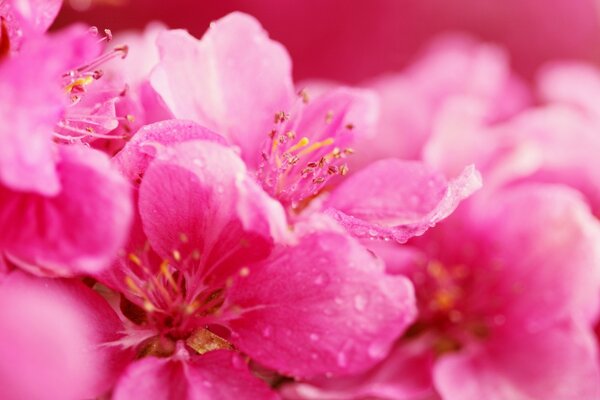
(395, 199)
(201, 189)
(232, 81)
(77, 231)
(55, 340)
(218, 375)
(361, 310)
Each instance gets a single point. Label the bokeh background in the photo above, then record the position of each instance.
(352, 40)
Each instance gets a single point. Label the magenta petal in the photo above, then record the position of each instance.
(542, 241)
(218, 375)
(323, 306)
(405, 374)
(54, 339)
(201, 189)
(79, 230)
(394, 199)
(32, 104)
(232, 81)
(134, 158)
(559, 363)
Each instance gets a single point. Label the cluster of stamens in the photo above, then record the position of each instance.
(91, 112)
(164, 301)
(293, 169)
(444, 309)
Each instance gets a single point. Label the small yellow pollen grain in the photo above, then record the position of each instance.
(79, 82)
(316, 146)
(183, 237)
(245, 271)
(301, 143)
(148, 306)
(177, 255)
(135, 259)
(196, 254)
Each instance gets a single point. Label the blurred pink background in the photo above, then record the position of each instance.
(350, 40)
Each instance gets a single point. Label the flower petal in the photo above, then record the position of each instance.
(232, 81)
(53, 340)
(134, 158)
(558, 363)
(361, 310)
(394, 199)
(405, 374)
(76, 232)
(201, 189)
(529, 234)
(32, 103)
(218, 375)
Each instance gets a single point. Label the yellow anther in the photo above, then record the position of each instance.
(135, 259)
(177, 255)
(164, 269)
(316, 146)
(132, 285)
(86, 80)
(444, 300)
(149, 306)
(301, 143)
(196, 254)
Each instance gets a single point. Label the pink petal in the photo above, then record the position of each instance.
(232, 81)
(218, 375)
(24, 18)
(562, 145)
(528, 235)
(559, 363)
(32, 103)
(405, 374)
(54, 340)
(134, 158)
(201, 189)
(76, 232)
(573, 83)
(394, 199)
(361, 310)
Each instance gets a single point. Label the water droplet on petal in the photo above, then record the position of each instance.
(342, 359)
(321, 279)
(360, 302)
(377, 350)
(267, 331)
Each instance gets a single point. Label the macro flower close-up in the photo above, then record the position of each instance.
(335, 200)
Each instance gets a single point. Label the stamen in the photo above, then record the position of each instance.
(316, 146)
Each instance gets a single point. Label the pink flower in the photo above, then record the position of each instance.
(63, 209)
(22, 18)
(214, 268)
(53, 335)
(298, 147)
(506, 292)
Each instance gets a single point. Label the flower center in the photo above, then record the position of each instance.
(295, 168)
(447, 313)
(161, 300)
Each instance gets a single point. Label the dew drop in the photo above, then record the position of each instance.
(266, 332)
(320, 279)
(360, 302)
(342, 359)
(377, 350)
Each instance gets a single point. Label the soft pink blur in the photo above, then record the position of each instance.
(351, 40)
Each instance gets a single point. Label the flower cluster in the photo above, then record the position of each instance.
(181, 220)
